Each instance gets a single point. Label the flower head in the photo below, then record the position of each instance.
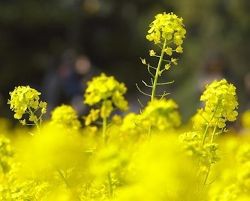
(220, 103)
(161, 114)
(167, 27)
(26, 100)
(108, 92)
(65, 116)
(206, 154)
(103, 88)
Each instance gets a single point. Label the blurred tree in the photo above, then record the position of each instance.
(34, 34)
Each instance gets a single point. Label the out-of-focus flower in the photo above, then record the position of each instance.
(161, 114)
(65, 116)
(245, 119)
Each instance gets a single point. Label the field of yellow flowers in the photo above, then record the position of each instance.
(149, 156)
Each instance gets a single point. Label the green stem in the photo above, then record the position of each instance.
(213, 134)
(30, 112)
(104, 129)
(157, 72)
(205, 134)
(209, 167)
(212, 139)
(207, 174)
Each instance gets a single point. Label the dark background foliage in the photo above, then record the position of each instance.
(35, 34)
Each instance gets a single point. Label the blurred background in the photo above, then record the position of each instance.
(56, 46)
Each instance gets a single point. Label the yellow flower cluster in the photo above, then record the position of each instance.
(6, 153)
(25, 100)
(92, 116)
(220, 103)
(167, 28)
(108, 92)
(131, 122)
(233, 184)
(103, 88)
(206, 155)
(65, 116)
(245, 119)
(220, 106)
(161, 114)
(160, 171)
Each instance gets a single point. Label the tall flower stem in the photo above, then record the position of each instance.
(104, 129)
(158, 71)
(207, 174)
(109, 176)
(210, 165)
(205, 134)
(213, 134)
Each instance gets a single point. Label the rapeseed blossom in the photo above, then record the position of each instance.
(65, 116)
(107, 92)
(167, 28)
(92, 116)
(245, 119)
(26, 100)
(233, 181)
(220, 103)
(104, 88)
(6, 154)
(167, 31)
(161, 114)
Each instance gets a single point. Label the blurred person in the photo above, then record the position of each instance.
(66, 83)
(85, 71)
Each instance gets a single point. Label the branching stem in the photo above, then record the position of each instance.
(157, 72)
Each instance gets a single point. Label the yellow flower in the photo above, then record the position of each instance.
(167, 66)
(179, 49)
(245, 119)
(167, 28)
(106, 109)
(152, 53)
(6, 154)
(92, 116)
(107, 92)
(143, 61)
(102, 88)
(26, 100)
(130, 122)
(220, 103)
(161, 114)
(174, 61)
(65, 116)
(169, 51)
